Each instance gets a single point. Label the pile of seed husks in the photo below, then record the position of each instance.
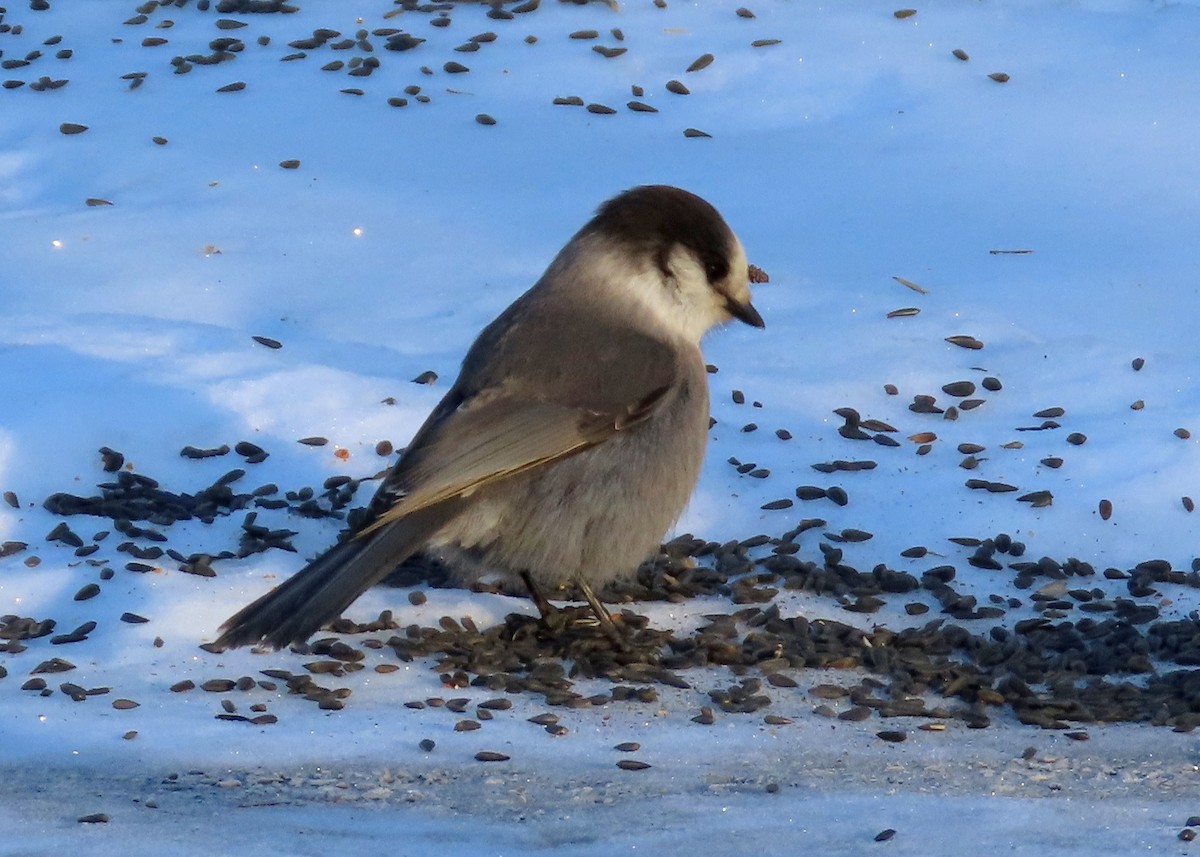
(1049, 672)
(1118, 662)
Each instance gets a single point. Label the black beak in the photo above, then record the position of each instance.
(744, 312)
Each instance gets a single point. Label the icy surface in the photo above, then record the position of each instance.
(856, 150)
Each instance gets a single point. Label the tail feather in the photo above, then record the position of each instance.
(320, 591)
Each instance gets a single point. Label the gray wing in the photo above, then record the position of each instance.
(539, 412)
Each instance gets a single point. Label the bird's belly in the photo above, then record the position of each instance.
(593, 516)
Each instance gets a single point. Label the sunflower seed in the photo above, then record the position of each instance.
(960, 54)
(677, 88)
(999, 77)
(1037, 499)
(489, 756)
(1106, 509)
(632, 765)
(250, 450)
(89, 590)
(701, 62)
(963, 341)
(53, 665)
(909, 284)
(924, 404)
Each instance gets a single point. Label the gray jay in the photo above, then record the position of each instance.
(574, 434)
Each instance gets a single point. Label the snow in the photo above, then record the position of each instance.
(856, 150)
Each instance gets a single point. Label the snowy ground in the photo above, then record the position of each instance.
(856, 150)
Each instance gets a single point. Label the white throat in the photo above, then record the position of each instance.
(686, 307)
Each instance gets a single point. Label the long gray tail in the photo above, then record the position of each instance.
(320, 591)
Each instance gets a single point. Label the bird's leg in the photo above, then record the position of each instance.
(602, 614)
(545, 608)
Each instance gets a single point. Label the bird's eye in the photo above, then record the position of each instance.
(716, 270)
